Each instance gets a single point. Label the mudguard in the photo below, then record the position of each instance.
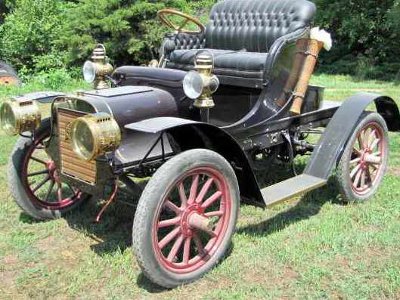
(192, 135)
(330, 148)
(42, 97)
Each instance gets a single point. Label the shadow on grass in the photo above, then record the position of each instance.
(114, 233)
(309, 205)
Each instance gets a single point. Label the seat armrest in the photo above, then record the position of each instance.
(277, 48)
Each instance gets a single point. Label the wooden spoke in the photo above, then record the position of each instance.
(38, 173)
(356, 160)
(42, 183)
(371, 137)
(182, 195)
(375, 143)
(168, 238)
(168, 223)
(175, 248)
(362, 179)
(214, 214)
(360, 142)
(358, 177)
(171, 206)
(38, 160)
(206, 187)
(212, 199)
(52, 184)
(186, 250)
(59, 192)
(193, 188)
(354, 171)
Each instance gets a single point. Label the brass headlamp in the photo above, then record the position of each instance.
(98, 69)
(94, 135)
(19, 115)
(201, 84)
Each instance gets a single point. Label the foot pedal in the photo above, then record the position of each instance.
(290, 188)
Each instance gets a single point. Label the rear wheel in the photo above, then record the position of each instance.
(364, 161)
(34, 179)
(185, 218)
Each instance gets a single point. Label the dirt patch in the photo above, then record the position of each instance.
(9, 271)
(62, 251)
(272, 277)
(394, 171)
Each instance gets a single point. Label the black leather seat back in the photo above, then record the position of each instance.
(254, 25)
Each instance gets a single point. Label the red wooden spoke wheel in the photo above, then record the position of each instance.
(366, 163)
(42, 181)
(35, 182)
(186, 217)
(364, 160)
(187, 238)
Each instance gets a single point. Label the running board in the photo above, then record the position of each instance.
(290, 188)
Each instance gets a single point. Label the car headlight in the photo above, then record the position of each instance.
(89, 71)
(18, 116)
(94, 135)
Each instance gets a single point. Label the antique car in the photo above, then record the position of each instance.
(223, 103)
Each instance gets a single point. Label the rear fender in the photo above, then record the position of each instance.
(330, 148)
(189, 135)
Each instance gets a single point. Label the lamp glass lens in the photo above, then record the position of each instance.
(83, 140)
(89, 72)
(193, 85)
(7, 118)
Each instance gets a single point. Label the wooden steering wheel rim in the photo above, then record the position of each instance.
(162, 14)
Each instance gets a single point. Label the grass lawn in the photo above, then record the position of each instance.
(312, 248)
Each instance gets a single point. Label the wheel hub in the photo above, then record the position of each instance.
(52, 168)
(192, 219)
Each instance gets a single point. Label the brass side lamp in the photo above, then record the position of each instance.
(201, 84)
(97, 70)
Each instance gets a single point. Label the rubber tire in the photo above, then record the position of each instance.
(15, 185)
(342, 172)
(147, 208)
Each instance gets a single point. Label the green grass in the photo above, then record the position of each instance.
(313, 248)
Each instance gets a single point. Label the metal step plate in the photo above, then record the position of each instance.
(290, 188)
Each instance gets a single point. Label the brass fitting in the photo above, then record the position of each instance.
(94, 135)
(19, 115)
(204, 65)
(100, 66)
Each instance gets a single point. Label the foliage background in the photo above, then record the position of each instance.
(44, 35)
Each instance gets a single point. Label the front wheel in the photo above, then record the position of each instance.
(185, 218)
(35, 182)
(364, 161)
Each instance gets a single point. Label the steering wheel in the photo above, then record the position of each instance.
(165, 15)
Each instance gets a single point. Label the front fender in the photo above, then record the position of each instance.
(330, 148)
(189, 135)
(42, 97)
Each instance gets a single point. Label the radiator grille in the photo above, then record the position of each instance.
(71, 164)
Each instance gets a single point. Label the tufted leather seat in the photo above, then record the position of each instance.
(241, 34)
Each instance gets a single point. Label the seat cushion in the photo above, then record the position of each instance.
(227, 62)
